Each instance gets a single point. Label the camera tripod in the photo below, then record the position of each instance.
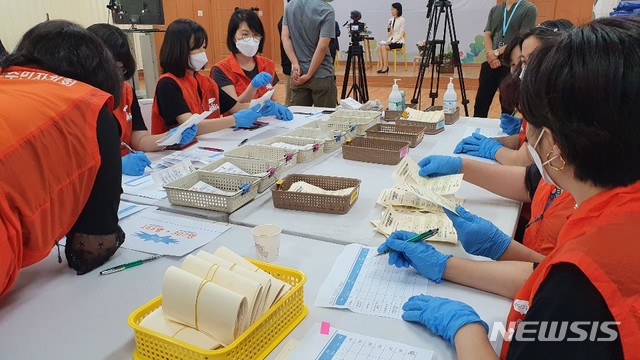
(357, 67)
(433, 46)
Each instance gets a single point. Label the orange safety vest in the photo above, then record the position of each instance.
(124, 117)
(550, 208)
(522, 136)
(236, 75)
(209, 101)
(601, 239)
(49, 158)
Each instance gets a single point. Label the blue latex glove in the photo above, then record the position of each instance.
(187, 135)
(477, 235)
(510, 124)
(245, 118)
(280, 111)
(478, 145)
(423, 257)
(439, 165)
(262, 79)
(134, 164)
(442, 316)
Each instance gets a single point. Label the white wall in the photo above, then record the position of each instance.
(470, 18)
(18, 16)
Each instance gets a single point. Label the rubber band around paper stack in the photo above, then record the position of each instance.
(255, 343)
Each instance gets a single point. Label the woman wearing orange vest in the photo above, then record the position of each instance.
(495, 149)
(59, 150)
(243, 74)
(133, 131)
(182, 91)
(584, 294)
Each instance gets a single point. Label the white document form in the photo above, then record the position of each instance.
(407, 172)
(175, 137)
(367, 284)
(263, 99)
(126, 208)
(142, 186)
(488, 132)
(163, 233)
(343, 345)
(163, 177)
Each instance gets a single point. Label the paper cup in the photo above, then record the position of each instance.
(267, 241)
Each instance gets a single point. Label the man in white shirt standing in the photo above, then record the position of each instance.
(395, 40)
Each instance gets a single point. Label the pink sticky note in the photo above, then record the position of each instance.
(324, 328)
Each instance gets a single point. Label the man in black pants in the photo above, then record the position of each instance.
(504, 23)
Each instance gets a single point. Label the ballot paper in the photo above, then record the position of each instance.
(403, 196)
(162, 233)
(424, 116)
(213, 309)
(287, 146)
(433, 197)
(367, 284)
(229, 168)
(202, 186)
(176, 135)
(158, 322)
(302, 186)
(488, 132)
(339, 344)
(182, 169)
(263, 99)
(407, 172)
(142, 186)
(198, 158)
(418, 222)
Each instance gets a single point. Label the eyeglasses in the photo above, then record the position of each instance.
(257, 38)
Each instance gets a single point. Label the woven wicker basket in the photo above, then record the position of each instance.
(378, 151)
(332, 204)
(274, 169)
(333, 139)
(303, 155)
(345, 119)
(412, 134)
(265, 153)
(179, 194)
(449, 119)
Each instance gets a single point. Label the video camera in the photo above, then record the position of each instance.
(356, 28)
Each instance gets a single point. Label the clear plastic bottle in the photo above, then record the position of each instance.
(450, 104)
(395, 98)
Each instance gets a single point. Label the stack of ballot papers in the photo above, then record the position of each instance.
(302, 186)
(213, 298)
(229, 168)
(423, 116)
(416, 203)
(287, 146)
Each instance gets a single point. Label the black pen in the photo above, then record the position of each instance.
(243, 142)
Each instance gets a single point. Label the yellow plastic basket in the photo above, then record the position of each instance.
(255, 343)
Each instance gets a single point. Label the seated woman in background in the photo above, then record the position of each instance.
(489, 148)
(395, 40)
(182, 91)
(59, 150)
(243, 74)
(133, 131)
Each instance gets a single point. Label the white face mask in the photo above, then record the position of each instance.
(198, 61)
(248, 46)
(539, 164)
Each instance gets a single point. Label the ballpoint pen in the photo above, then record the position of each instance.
(425, 235)
(243, 142)
(210, 148)
(128, 265)
(131, 151)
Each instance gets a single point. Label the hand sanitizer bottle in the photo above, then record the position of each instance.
(395, 98)
(450, 104)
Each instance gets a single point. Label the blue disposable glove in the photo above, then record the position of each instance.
(187, 135)
(477, 235)
(443, 317)
(133, 164)
(478, 145)
(245, 118)
(423, 257)
(262, 79)
(281, 112)
(510, 124)
(439, 165)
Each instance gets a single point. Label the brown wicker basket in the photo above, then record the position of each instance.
(449, 119)
(393, 115)
(429, 128)
(378, 151)
(412, 134)
(332, 204)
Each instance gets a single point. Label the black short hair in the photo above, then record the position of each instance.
(512, 45)
(548, 30)
(398, 7)
(69, 50)
(177, 44)
(584, 88)
(117, 43)
(253, 22)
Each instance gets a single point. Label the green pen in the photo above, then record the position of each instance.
(128, 265)
(425, 235)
